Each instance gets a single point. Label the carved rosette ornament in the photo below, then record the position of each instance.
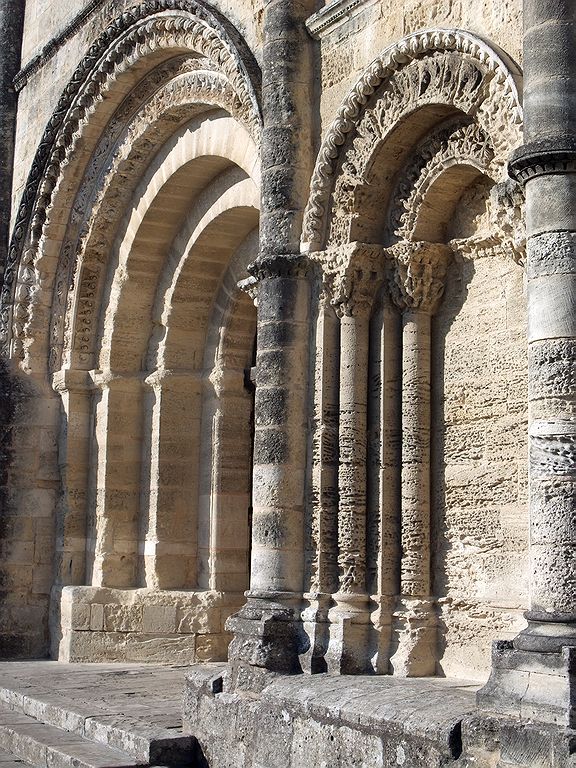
(416, 274)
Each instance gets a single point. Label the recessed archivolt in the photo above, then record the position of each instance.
(437, 73)
(214, 141)
(462, 149)
(223, 216)
(133, 44)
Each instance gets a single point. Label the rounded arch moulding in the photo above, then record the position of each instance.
(153, 31)
(448, 68)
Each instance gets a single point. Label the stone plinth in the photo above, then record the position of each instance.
(144, 625)
(327, 720)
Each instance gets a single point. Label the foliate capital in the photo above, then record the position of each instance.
(416, 274)
(352, 274)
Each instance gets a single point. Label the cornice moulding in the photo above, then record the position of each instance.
(333, 15)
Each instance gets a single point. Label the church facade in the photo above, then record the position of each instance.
(287, 328)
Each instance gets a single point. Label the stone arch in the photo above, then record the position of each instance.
(426, 131)
(150, 158)
(436, 73)
(135, 43)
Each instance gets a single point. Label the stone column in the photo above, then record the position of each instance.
(117, 471)
(11, 25)
(354, 287)
(416, 285)
(268, 630)
(534, 675)
(169, 526)
(322, 512)
(384, 470)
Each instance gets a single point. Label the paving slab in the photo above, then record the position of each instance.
(132, 708)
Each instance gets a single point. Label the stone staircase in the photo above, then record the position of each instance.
(47, 728)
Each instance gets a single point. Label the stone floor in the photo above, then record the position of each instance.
(55, 715)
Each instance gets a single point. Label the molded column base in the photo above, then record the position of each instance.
(531, 685)
(348, 648)
(381, 633)
(267, 633)
(414, 638)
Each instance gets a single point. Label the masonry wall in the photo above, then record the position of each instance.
(479, 362)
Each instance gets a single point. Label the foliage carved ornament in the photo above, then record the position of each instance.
(351, 274)
(416, 274)
(439, 66)
(144, 29)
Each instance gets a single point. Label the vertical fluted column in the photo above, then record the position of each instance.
(11, 25)
(354, 288)
(417, 283)
(268, 630)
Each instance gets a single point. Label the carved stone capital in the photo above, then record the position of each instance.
(279, 265)
(351, 276)
(416, 273)
(249, 286)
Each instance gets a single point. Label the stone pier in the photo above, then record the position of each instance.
(535, 675)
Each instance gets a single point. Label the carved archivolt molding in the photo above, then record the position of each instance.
(115, 166)
(439, 66)
(455, 144)
(186, 25)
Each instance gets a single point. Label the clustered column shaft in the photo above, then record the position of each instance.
(267, 630)
(417, 284)
(355, 287)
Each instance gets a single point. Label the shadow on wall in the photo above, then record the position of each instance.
(460, 276)
(23, 616)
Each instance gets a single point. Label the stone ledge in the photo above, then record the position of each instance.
(328, 720)
(334, 15)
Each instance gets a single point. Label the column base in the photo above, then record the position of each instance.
(531, 685)
(348, 648)
(381, 633)
(546, 633)
(267, 633)
(317, 628)
(414, 638)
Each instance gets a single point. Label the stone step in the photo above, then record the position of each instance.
(10, 761)
(147, 743)
(46, 746)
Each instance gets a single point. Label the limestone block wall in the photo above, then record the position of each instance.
(128, 487)
(479, 446)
